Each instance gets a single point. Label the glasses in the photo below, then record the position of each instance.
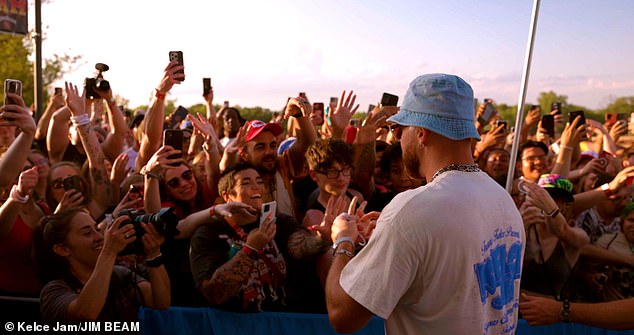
(176, 181)
(334, 174)
(396, 130)
(532, 159)
(57, 184)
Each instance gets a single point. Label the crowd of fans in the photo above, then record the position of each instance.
(95, 198)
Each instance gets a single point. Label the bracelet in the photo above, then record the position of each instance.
(340, 240)
(606, 189)
(252, 252)
(159, 95)
(564, 313)
(17, 197)
(343, 251)
(566, 147)
(154, 262)
(554, 213)
(80, 120)
(147, 173)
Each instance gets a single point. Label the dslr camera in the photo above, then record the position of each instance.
(97, 84)
(164, 221)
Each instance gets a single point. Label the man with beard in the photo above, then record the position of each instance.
(445, 258)
(260, 151)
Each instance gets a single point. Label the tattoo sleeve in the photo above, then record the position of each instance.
(227, 279)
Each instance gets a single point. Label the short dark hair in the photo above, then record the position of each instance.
(322, 154)
(531, 144)
(226, 182)
(392, 153)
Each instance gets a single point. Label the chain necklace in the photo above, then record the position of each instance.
(457, 167)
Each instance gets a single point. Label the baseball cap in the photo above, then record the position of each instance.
(255, 127)
(285, 145)
(557, 186)
(442, 103)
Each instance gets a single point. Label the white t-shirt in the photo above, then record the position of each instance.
(445, 258)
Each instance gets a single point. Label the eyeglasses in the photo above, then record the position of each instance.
(57, 184)
(396, 130)
(334, 174)
(176, 181)
(532, 159)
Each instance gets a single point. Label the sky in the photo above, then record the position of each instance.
(258, 53)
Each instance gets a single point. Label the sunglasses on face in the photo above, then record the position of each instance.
(176, 181)
(396, 130)
(59, 183)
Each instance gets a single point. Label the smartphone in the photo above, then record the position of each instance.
(173, 138)
(604, 158)
(318, 107)
(623, 118)
(178, 57)
(355, 123)
(58, 91)
(573, 115)
(179, 115)
(504, 123)
(548, 123)
(226, 104)
(488, 111)
(371, 108)
(267, 209)
(72, 183)
(206, 85)
(303, 95)
(12, 86)
(334, 101)
(389, 99)
(556, 107)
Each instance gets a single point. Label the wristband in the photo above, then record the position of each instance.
(147, 173)
(17, 197)
(80, 120)
(340, 240)
(159, 95)
(252, 252)
(344, 252)
(606, 189)
(154, 262)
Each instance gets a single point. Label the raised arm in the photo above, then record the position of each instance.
(57, 136)
(300, 109)
(342, 115)
(16, 115)
(55, 102)
(114, 142)
(101, 190)
(153, 129)
(569, 142)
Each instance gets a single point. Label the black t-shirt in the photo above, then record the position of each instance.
(210, 249)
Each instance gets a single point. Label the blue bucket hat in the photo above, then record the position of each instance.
(442, 103)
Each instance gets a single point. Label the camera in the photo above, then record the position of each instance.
(164, 221)
(97, 84)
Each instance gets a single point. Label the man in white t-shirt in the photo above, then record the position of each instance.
(445, 258)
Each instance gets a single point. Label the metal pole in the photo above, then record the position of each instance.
(37, 66)
(522, 98)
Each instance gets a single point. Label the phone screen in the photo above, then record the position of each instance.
(12, 86)
(179, 115)
(573, 115)
(389, 99)
(548, 123)
(318, 107)
(504, 123)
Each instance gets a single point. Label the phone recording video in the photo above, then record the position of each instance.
(318, 108)
(579, 113)
(178, 57)
(556, 107)
(504, 123)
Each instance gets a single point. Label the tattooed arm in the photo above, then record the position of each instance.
(101, 191)
(226, 281)
(303, 244)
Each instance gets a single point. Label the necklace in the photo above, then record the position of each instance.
(457, 167)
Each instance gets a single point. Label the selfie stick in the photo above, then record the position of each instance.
(520, 105)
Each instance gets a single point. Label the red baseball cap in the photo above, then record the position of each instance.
(255, 127)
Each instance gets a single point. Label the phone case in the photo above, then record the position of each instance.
(206, 85)
(389, 99)
(267, 208)
(11, 86)
(178, 57)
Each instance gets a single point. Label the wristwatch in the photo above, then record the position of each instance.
(606, 189)
(148, 173)
(564, 313)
